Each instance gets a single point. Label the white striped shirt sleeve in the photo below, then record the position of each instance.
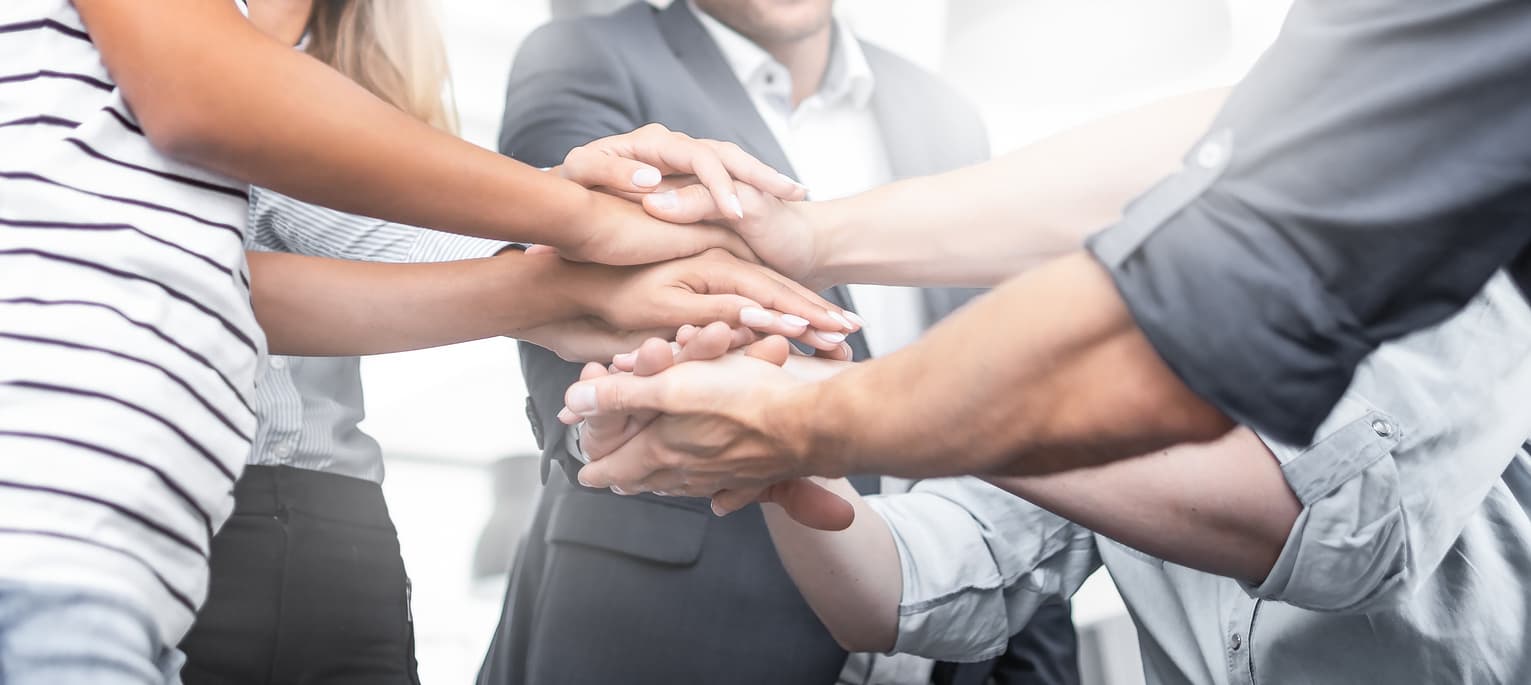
(281, 224)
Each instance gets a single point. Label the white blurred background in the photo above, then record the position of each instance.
(1033, 66)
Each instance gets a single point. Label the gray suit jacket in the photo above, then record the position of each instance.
(656, 590)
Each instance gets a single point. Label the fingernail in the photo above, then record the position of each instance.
(733, 204)
(674, 347)
(831, 338)
(838, 318)
(581, 398)
(581, 478)
(794, 321)
(718, 511)
(566, 416)
(793, 181)
(618, 490)
(756, 317)
(647, 177)
(624, 359)
(667, 200)
(855, 319)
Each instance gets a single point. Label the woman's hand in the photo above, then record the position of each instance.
(610, 306)
(634, 164)
(689, 183)
(782, 234)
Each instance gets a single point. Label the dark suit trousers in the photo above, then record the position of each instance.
(307, 588)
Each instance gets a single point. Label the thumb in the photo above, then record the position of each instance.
(594, 168)
(686, 205)
(623, 394)
(774, 349)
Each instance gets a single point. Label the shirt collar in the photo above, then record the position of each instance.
(848, 78)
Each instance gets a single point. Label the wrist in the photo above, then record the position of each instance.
(828, 225)
(560, 294)
(576, 226)
(803, 420)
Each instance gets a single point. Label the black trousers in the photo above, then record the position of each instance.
(307, 588)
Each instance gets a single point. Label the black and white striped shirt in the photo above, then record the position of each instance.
(128, 349)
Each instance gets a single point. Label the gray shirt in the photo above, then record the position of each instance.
(309, 407)
(1407, 563)
(1365, 179)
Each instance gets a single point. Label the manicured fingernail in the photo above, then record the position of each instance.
(581, 478)
(831, 338)
(794, 321)
(667, 200)
(755, 317)
(718, 511)
(838, 318)
(647, 177)
(674, 348)
(624, 359)
(581, 398)
(566, 416)
(855, 319)
(618, 490)
(735, 207)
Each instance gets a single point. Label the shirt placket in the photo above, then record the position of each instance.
(1238, 647)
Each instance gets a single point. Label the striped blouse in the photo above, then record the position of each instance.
(309, 407)
(128, 349)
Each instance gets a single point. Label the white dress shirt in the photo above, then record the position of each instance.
(1406, 565)
(837, 149)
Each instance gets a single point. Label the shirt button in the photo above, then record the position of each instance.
(1236, 642)
(1211, 155)
(1382, 428)
(278, 363)
(283, 450)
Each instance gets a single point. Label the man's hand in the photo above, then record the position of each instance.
(803, 499)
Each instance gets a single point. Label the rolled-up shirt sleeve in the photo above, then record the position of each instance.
(977, 562)
(1406, 459)
(1364, 181)
(281, 224)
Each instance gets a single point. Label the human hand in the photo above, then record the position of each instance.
(782, 234)
(713, 286)
(635, 164)
(804, 500)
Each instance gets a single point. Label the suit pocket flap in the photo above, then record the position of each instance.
(635, 526)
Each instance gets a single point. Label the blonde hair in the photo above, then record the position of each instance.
(392, 48)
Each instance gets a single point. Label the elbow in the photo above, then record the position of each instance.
(1361, 573)
(863, 638)
(180, 128)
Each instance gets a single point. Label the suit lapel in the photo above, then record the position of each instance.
(695, 49)
(898, 118)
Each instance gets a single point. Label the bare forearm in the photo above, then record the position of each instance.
(980, 225)
(204, 92)
(315, 306)
(1045, 374)
(851, 578)
(1223, 507)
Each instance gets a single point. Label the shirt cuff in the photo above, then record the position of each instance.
(1231, 307)
(437, 246)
